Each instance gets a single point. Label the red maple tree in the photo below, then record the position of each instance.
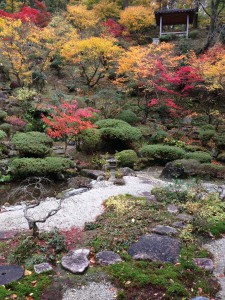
(67, 120)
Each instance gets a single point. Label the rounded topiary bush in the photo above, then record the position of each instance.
(220, 141)
(126, 158)
(128, 116)
(117, 134)
(162, 153)
(3, 115)
(24, 167)
(202, 157)
(158, 136)
(90, 140)
(206, 135)
(32, 144)
(2, 134)
(221, 157)
(7, 128)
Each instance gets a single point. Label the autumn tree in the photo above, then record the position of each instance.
(209, 93)
(157, 76)
(94, 57)
(67, 120)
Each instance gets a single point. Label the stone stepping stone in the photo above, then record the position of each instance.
(6, 235)
(179, 224)
(10, 273)
(184, 217)
(43, 267)
(156, 248)
(76, 261)
(165, 230)
(204, 263)
(172, 208)
(107, 258)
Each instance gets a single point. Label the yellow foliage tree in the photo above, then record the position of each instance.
(94, 56)
(81, 17)
(137, 18)
(29, 49)
(13, 5)
(105, 9)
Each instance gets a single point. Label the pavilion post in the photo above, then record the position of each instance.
(187, 26)
(160, 27)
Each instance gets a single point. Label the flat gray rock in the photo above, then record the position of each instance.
(172, 208)
(179, 224)
(10, 273)
(204, 263)
(76, 261)
(43, 267)
(107, 258)
(156, 248)
(73, 192)
(184, 217)
(165, 230)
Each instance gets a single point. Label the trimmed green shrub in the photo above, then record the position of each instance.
(206, 135)
(90, 140)
(220, 141)
(2, 134)
(221, 157)
(158, 137)
(162, 153)
(117, 134)
(7, 128)
(24, 167)
(128, 116)
(126, 158)
(193, 148)
(202, 157)
(32, 144)
(193, 34)
(3, 115)
(207, 127)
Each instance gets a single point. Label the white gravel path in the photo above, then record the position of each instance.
(78, 209)
(92, 291)
(217, 248)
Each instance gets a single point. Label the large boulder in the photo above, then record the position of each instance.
(92, 173)
(79, 182)
(156, 248)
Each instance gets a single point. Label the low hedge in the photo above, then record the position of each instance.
(202, 157)
(162, 153)
(32, 144)
(24, 167)
(158, 136)
(126, 158)
(128, 116)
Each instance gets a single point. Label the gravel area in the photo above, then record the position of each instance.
(217, 248)
(92, 291)
(78, 209)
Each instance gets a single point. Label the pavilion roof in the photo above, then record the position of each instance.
(174, 16)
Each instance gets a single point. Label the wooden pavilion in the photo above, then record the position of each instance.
(174, 17)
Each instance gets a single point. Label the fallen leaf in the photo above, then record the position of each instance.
(13, 296)
(27, 273)
(34, 283)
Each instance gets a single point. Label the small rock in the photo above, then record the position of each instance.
(43, 267)
(179, 224)
(165, 230)
(107, 258)
(204, 263)
(200, 298)
(127, 171)
(119, 181)
(184, 217)
(73, 192)
(76, 261)
(172, 208)
(156, 248)
(101, 178)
